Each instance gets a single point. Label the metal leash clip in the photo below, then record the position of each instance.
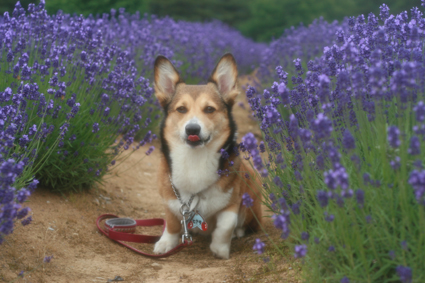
(187, 216)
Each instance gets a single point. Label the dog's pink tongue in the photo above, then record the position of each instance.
(193, 138)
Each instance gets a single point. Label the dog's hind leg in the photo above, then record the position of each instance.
(171, 236)
(222, 235)
(240, 229)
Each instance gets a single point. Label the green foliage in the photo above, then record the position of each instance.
(96, 7)
(231, 12)
(269, 18)
(8, 5)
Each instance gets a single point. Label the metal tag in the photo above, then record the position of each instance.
(197, 221)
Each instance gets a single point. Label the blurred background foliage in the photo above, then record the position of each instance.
(259, 19)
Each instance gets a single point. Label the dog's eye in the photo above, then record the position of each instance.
(209, 109)
(182, 109)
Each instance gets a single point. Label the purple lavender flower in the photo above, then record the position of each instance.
(336, 178)
(395, 164)
(345, 280)
(26, 221)
(360, 197)
(95, 128)
(404, 245)
(368, 218)
(405, 273)
(224, 172)
(322, 126)
(150, 150)
(22, 195)
(417, 181)
(420, 111)
(300, 251)
(323, 198)
(393, 136)
(32, 130)
(282, 222)
(329, 217)
(296, 208)
(33, 185)
(249, 142)
(283, 76)
(47, 259)
(106, 111)
(279, 158)
(385, 12)
(262, 147)
(250, 91)
(278, 182)
(224, 154)
(348, 140)
(259, 246)
(22, 213)
(247, 200)
(284, 93)
(305, 236)
(24, 140)
(415, 146)
(293, 126)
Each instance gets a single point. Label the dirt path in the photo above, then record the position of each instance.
(64, 227)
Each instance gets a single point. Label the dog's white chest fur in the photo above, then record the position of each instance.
(193, 169)
(194, 172)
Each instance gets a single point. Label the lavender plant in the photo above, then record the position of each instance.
(79, 87)
(300, 42)
(193, 47)
(345, 147)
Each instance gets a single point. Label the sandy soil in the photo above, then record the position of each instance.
(64, 226)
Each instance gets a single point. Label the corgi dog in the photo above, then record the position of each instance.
(197, 128)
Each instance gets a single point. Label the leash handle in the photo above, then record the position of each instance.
(120, 233)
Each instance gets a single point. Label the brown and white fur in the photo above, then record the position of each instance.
(204, 110)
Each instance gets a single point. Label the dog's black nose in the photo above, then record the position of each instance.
(193, 129)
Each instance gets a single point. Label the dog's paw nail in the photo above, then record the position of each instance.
(162, 247)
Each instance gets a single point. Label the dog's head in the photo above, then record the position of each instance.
(197, 115)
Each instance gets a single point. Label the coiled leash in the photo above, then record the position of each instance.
(122, 229)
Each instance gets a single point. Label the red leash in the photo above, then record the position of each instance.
(122, 229)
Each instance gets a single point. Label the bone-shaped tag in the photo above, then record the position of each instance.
(197, 221)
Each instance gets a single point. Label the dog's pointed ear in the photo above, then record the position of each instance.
(166, 80)
(225, 76)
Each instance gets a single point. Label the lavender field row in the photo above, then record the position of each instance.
(341, 108)
(344, 134)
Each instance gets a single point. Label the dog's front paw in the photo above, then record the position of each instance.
(220, 250)
(166, 243)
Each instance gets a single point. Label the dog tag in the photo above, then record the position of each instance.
(197, 221)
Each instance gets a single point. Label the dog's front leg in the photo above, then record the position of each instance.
(170, 238)
(222, 235)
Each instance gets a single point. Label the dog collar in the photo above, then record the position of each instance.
(183, 204)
